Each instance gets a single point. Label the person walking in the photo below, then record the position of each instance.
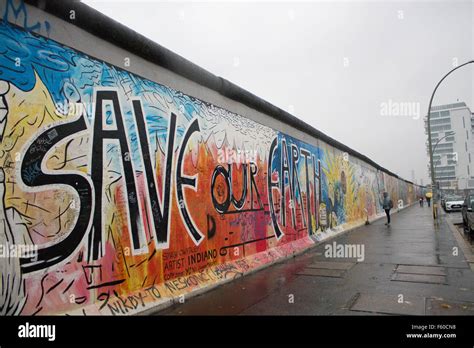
(421, 201)
(387, 204)
(428, 198)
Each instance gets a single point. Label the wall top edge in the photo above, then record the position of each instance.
(98, 24)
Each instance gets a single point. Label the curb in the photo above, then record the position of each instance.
(465, 247)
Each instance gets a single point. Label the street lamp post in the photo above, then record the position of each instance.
(446, 135)
(433, 184)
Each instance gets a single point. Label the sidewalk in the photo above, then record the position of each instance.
(410, 268)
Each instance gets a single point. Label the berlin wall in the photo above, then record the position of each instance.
(128, 181)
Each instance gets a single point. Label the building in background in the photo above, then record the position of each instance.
(453, 156)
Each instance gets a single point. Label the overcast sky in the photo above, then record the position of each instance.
(335, 65)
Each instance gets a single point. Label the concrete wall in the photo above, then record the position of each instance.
(135, 186)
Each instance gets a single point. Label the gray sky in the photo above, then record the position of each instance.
(332, 64)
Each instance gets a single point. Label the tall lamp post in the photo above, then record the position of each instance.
(433, 183)
(445, 136)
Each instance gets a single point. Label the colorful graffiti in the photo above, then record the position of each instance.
(135, 193)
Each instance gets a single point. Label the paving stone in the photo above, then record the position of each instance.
(442, 307)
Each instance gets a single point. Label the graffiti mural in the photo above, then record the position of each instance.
(133, 193)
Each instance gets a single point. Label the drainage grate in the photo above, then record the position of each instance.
(332, 265)
(388, 304)
(420, 274)
(419, 278)
(316, 272)
(412, 269)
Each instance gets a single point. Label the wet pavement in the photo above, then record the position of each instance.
(413, 267)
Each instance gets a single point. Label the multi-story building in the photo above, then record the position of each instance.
(452, 137)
